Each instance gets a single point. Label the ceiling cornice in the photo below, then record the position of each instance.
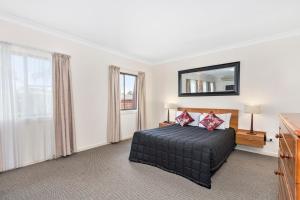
(235, 46)
(5, 16)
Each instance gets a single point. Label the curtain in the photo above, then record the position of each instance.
(200, 86)
(26, 107)
(141, 101)
(196, 85)
(187, 85)
(208, 86)
(113, 115)
(63, 106)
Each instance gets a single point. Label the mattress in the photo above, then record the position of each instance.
(189, 151)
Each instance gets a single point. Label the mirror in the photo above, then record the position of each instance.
(216, 80)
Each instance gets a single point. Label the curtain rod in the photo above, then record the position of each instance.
(32, 48)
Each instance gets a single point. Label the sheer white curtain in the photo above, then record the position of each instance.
(26, 108)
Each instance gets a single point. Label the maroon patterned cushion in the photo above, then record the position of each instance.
(184, 118)
(211, 121)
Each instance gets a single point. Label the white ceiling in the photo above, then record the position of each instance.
(158, 30)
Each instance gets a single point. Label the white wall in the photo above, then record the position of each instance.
(90, 83)
(269, 76)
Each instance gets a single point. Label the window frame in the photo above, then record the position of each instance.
(135, 89)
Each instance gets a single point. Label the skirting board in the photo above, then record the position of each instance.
(248, 149)
(91, 146)
(79, 149)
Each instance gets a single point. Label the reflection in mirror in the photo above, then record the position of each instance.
(220, 79)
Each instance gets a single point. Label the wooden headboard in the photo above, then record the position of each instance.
(234, 114)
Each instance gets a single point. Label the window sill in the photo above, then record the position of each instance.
(125, 112)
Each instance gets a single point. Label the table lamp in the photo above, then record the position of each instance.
(170, 106)
(252, 109)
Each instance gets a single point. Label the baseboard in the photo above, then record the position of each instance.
(84, 148)
(127, 138)
(79, 149)
(257, 151)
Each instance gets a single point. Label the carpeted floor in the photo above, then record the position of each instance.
(105, 173)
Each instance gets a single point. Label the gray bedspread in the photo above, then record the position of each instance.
(189, 151)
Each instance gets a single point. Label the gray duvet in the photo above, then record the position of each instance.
(189, 151)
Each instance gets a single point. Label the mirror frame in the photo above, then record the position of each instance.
(236, 66)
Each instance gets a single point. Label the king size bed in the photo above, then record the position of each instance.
(189, 151)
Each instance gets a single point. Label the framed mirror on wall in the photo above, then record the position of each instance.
(216, 80)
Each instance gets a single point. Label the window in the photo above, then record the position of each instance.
(26, 106)
(33, 85)
(128, 91)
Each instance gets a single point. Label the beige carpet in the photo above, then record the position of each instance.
(105, 173)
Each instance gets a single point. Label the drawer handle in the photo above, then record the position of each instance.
(278, 173)
(278, 136)
(285, 156)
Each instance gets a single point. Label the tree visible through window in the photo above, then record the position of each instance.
(128, 91)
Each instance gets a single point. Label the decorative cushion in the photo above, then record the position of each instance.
(184, 119)
(226, 117)
(211, 121)
(194, 115)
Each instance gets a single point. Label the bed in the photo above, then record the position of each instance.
(189, 151)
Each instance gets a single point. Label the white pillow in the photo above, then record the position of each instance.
(225, 117)
(195, 116)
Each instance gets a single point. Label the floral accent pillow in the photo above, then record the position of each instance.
(211, 122)
(184, 118)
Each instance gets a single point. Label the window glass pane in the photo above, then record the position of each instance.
(33, 86)
(127, 92)
(130, 92)
(122, 92)
(37, 75)
(18, 67)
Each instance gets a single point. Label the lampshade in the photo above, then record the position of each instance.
(170, 106)
(256, 109)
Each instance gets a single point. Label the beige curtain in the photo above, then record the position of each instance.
(63, 106)
(141, 92)
(197, 86)
(213, 89)
(113, 115)
(187, 85)
(200, 86)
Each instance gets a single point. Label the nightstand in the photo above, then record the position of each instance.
(163, 124)
(243, 137)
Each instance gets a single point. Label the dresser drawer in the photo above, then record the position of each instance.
(289, 138)
(287, 157)
(288, 164)
(284, 187)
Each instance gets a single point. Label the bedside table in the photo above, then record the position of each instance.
(163, 124)
(243, 138)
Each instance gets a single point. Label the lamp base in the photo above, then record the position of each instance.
(251, 132)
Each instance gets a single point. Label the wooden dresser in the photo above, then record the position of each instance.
(289, 157)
